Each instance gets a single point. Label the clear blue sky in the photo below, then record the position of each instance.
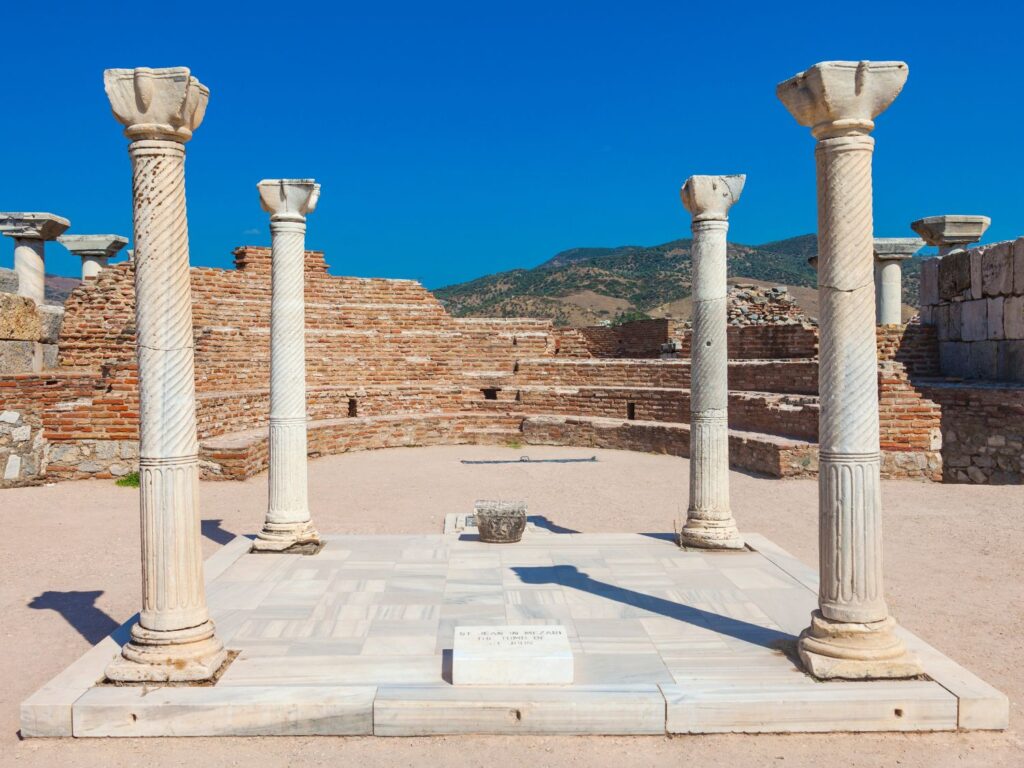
(453, 139)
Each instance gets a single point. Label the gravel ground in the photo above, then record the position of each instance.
(953, 569)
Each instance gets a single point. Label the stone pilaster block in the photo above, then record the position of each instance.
(1013, 317)
(17, 357)
(1010, 365)
(953, 358)
(997, 269)
(50, 319)
(1018, 266)
(929, 281)
(954, 274)
(955, 328)
(8, 281)
(983, 360)
(995, 318)
(975, 320)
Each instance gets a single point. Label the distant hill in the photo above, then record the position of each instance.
(585, 286)
(58, 288)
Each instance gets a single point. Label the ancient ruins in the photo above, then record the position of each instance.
(184, 373)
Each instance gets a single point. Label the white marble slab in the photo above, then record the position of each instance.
(522, 654)
(440, 710)
(880, 705)
(215, 711)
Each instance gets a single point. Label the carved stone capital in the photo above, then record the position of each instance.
(32, 226)
(709, 198)
(842, 98)
(93, 246)
(288, 199)
(896, 248)
(951, 231)
(165, 103)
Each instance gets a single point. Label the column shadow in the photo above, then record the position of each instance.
(79, 610)
(570, 576)
(542, 522)
(214, 531)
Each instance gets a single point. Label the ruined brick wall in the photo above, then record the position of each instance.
(975, 300)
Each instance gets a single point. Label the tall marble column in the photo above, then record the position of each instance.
(30, 231)
(174, 639)
(288, 527)
(889, 252)
(94, 250)
(951, 232)
(852, 634)
(709, 520)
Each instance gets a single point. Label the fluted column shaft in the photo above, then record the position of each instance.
(709, 509)
(850, 545)
(288, 476)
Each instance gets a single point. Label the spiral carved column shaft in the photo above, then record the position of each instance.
(30, 267)
(851, 634)
(709, 520)
(850, 501)
(174, 638)
(288, 527)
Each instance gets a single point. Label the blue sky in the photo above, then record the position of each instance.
(454, 139)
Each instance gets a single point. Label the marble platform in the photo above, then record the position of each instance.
(357, 640)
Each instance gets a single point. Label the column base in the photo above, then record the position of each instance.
(288, 538)
(179, 656)
(711, 534)
(850, 651)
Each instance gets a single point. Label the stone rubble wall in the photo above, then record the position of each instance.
(975, 300)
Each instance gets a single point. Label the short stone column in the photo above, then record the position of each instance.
(709, 520)
(852, 634)
(889, 252)
(952, 232)
(174, 639)
(288, 527)
(30, 232)
(94, 250)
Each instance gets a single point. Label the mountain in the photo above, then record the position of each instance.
(585, 286)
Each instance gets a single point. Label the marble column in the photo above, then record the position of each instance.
(30, 231)
(852, 634)
(288, 527)
(174, 639)
(94, 250)
(951, 232)
(889, 252)
(709, 520)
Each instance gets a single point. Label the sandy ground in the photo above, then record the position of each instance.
(954, 555)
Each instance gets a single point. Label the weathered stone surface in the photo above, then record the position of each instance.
(1010, 367)
(983, 360)
(49, 356)
(975, 320)
(954, 357)
(8, 281)
(1018, 266)
(956, 314)
(17, 357)
(1013, 317)
(997, 269)
(929, 281)
(995, 318)
(19, 320)
(50, 319)
(954, 274)
(975, 291)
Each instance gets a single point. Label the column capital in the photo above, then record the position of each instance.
(32, 226)
(166, 103)
(951, 231)
(709, 198)
(842, 98)
(896, 248)
(93, 246)
(288, 199)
